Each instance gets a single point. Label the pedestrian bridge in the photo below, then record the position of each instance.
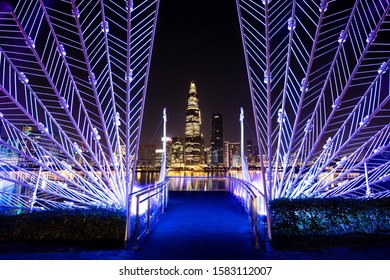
(197, 218)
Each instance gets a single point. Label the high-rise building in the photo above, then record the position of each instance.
(193, 152)
(249, 147)
(177, 152)
(146, 155)
(216, 140)
(232, 157)
(207, 156)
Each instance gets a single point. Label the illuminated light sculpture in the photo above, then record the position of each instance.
(72, 93)
(244, 165)
(329, 139)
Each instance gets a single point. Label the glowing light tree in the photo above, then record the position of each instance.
(72, 90)
(319, 82)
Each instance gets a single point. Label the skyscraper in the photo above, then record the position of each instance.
(193, 136)
(216, 139)
(177, 152)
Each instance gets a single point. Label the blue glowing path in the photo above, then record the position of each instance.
(200, 225)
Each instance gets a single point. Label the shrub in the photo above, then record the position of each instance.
(77, 225)
(334, 216)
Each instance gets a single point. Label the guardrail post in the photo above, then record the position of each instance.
(164, 199)
(148, 215)
(255, 222)
(136, 229)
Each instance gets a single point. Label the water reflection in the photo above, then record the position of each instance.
(193, 180)
(197, 184)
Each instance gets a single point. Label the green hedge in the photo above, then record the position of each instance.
(335, 216)
(80, 225)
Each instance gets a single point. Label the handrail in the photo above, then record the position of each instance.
(250, 205)
(161, 203)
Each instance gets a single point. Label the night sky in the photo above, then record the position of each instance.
(200, 41)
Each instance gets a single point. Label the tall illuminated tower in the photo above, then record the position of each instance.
(216, 139)
(193, 135)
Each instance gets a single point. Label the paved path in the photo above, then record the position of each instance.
(196, 225)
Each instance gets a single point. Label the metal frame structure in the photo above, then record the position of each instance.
(73, 80)
(74, 76)
(319, 82)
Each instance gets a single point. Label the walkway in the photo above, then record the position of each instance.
(196, 225)
(201, 225)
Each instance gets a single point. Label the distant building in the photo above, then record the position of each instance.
(216, 139)
(168, 155)
(177, 152)
(146, 155)
(193, 148)
(252, 154)
(249, 147)
(232, 158)
(159, 155)
(208, 156)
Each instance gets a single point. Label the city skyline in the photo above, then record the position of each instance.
(203, 45)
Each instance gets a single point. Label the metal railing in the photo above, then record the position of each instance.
(149, 205)
(245, 192)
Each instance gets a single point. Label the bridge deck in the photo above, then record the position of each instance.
(200, 225)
